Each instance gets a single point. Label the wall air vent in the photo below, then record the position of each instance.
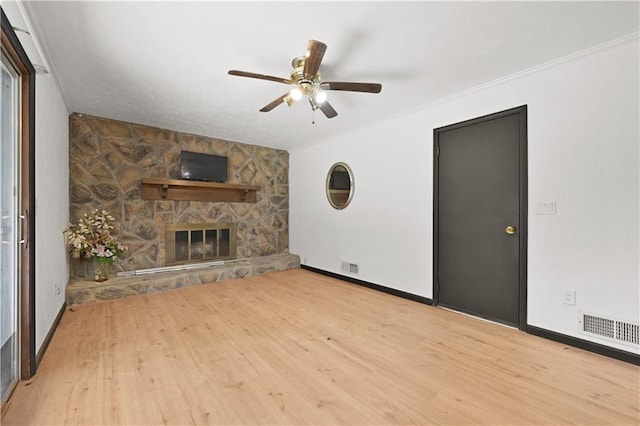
(598, 325)
(352, 268)
(610, 328)
(628, 332)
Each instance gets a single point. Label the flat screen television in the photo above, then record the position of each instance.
(340, 180)
(204, 167)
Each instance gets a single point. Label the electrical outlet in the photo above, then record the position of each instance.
(57, 290)
(548, 207)
(568, 296)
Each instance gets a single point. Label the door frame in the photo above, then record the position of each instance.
(523, 203)
(27, 321)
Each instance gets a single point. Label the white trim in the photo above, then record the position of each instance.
(545, 65)
(28, 10)
(540, 67)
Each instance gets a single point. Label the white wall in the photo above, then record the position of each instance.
(52, 203)
(583, 146)
(51, 181)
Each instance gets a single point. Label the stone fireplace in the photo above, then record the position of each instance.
(109, 159)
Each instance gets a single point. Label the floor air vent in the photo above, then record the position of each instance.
(609, 328)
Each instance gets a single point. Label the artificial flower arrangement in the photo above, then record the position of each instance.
(91, 238)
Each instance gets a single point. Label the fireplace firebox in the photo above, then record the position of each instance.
(200, 242)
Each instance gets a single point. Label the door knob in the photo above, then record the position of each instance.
(510, 230)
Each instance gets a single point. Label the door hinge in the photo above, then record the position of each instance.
(437, 150)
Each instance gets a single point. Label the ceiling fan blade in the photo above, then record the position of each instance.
(351, 87)
(260, 76)
(275, 103)
(315, 52)
(327, 109)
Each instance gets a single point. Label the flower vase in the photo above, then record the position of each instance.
(100, 271)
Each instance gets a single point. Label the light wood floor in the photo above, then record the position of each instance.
(295, 347)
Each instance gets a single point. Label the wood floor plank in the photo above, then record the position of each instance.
(295, 347)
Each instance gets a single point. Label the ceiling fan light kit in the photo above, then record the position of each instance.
(307, 82)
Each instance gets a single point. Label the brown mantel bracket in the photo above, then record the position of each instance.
(187, 190)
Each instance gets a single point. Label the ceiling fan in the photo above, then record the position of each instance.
(307, 82)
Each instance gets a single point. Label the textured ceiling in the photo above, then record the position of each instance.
(165, 63)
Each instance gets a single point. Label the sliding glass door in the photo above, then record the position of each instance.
(9, 209)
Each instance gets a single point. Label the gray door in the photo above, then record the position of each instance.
(479, 220)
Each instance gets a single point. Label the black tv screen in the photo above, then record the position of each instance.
(204, 167)
(340, 180)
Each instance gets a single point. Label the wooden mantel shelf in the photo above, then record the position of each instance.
(188, 190)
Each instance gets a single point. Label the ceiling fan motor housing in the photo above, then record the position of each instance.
(297, 74)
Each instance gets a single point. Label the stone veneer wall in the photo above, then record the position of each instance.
(109, 158)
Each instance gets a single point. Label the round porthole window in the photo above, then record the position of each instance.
(340, 185)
